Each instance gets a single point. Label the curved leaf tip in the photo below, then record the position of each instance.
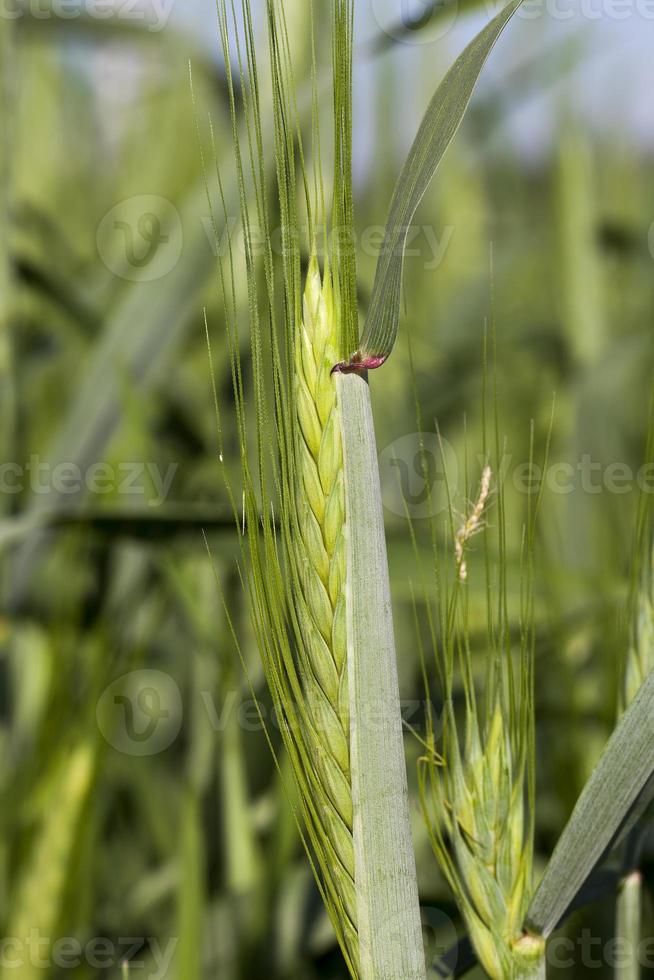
(437, 129)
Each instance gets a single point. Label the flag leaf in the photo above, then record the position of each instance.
(437, 130)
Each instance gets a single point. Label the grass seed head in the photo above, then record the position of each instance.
(321, 562)
(485, 830)
(475, 792)
(472, 524)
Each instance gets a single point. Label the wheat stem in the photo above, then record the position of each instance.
(627, 926)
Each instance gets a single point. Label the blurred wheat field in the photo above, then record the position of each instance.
(143, 817)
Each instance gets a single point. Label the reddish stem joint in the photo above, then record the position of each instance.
(358, 363)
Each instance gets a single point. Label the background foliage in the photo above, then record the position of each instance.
(104, 361)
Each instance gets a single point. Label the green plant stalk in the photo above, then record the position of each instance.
(190, 896)
(390, 934)
(627, 926)
(242, 866)
(7, 390)
(529, 958)
(582, 305)
(537, 970)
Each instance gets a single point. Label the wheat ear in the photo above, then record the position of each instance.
(477, 788)
(321, 560)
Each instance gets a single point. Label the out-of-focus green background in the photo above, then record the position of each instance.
(142, 815)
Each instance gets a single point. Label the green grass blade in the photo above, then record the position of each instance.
(437, 129)
(627, 926)
(243, 868)
(387, 894)
(582, 276)
(190, 897)
(7, 387)
(602, 811)
(163, 310)
(40, 891)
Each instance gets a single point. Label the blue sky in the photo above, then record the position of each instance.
(610, 84)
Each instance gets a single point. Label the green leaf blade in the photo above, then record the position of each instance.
(390, 933)
(438, 127)
(601, 813)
